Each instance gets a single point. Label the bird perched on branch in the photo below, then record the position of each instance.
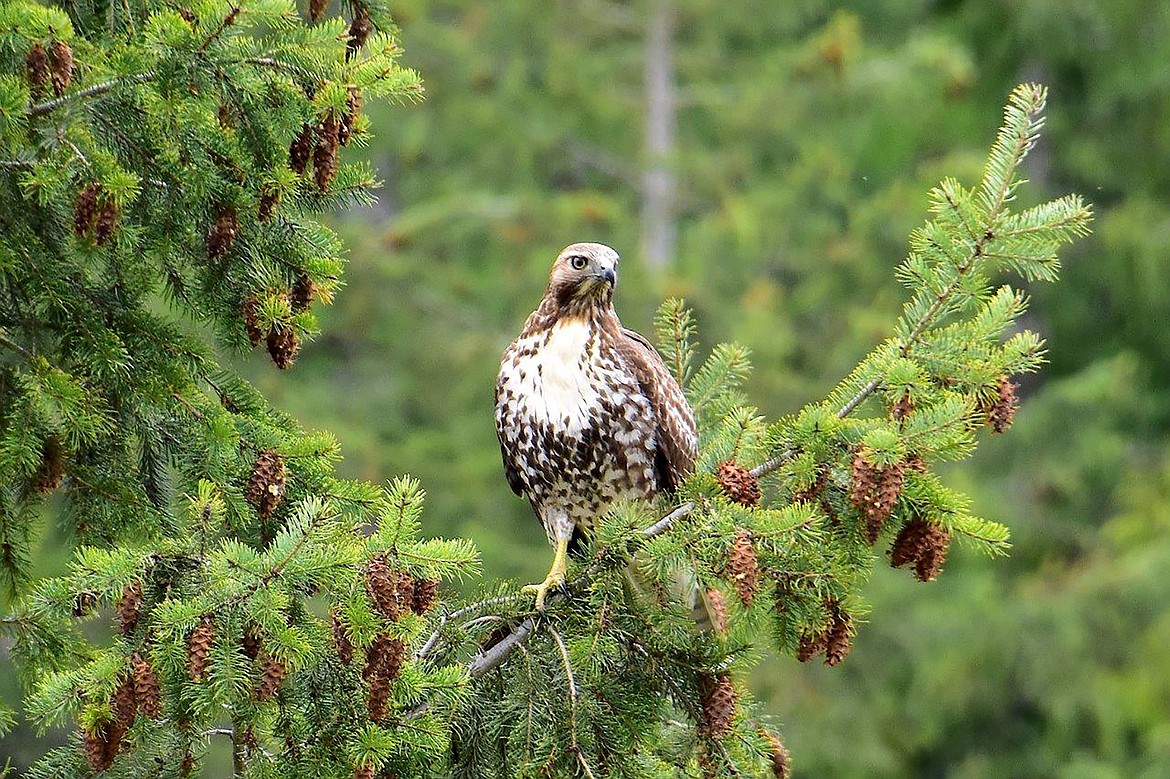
(587, 413)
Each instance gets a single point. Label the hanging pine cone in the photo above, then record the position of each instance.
(353, 109)
(265, 487)
(811, 645)
(902, 408)
(317, 8)
(106, 222)
(100, 747)
(222, 234)
(283, 346)
(738, 483)
(719, 699)
(199, 649)
(252, 642)
(269, 200)
(924, 544)
(52, 468)
(250, 309)
(378, 697)
(147, 690)
(382, 586)
(61, 66)
(85, 209)
(124, 702)
(364, 771)
(301, 294)
(385, 657)
(130, 607)
(359, 31)
(875, 492)
(1003, 410)
(717, 609)
(781, 760)
(300, 150)
(405, 587)
(36, 68)
(84, 603)
(325, 154)
(743, 566)
(341, 642)
(839, 639)
(271, 677)
(426, 594)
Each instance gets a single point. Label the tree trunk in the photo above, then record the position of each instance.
(658, 181)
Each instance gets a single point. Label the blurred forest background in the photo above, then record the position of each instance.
(766, 161)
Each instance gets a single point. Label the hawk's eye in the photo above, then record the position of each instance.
(578, 262)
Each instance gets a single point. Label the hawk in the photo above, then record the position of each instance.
(587, 413)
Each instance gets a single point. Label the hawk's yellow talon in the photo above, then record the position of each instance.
(556, 575)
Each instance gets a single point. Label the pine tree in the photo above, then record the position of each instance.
(157, 206)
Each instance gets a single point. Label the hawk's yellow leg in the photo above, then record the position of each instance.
(556, 574)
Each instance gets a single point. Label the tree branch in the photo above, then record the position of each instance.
(100, 88)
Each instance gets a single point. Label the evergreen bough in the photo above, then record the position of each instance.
(159, 168)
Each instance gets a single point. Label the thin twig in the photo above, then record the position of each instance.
(105, 86)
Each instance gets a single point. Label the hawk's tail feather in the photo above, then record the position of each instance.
(683, 589)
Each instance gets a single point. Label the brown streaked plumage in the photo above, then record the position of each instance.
(586, 411)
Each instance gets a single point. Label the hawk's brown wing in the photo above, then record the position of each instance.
(677, 440)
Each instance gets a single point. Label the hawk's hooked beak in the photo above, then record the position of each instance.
(609, 275)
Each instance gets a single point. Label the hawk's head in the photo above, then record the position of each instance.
(584, 273)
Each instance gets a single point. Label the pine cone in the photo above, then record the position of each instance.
(269, 200)
(405, 585)
(924, 544)
(426, 594)
(717, 608)
(359, 31)
(99, 751)
(130, 607)
(811, 645)
(106, 222)
(382, 586)
(52, 468)
(378, 697)
(325, 154)
(385, 657)
(251, 311)
(124, 703)
(719, 699)
(147, 690)
(814, 490)
(316, 8)
(271, 677)
(187, 764)
(199, 649)
(781, 760)
(85, 209)
(301, 294)
(300, 150)
(252, 642)
(875, 492)
(341, 642)
(738, 483)
(36, 67)
(743, 566)
(84, 603)
(1003, 410)
(839, 639)
(353, 109)
(902, 408)
(61, 66)
(222, 235)
(364, 771)
(283, 346)
(265, 488)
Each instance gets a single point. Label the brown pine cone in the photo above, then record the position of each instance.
(385, 657)
(283, 346)
(106, 222)
(719, 697)
(61, 66)
(269, 200)
(359, 31)
(124, 703)
(52, 468)
(271, 677)
(252, 642)
(85, 209)
(316, 8)
(743, 566)
(811, 645)
(84, 603)
(353, 109)
(130, 607)
(839, 639)
(717, 608)
(875, 492)
(902, 408)
(302, 292)
(36, 68)
(364, 771)
(251, 312)
(147, 690)
(265, 487)
(187, 764)
(325, 154)
(378, 697)
(100, 749)
(426, 594)
(301, 150)
(924, 544)
(341, 641)
(382, 586)
(1003, 410)
(199, 649)
(222, 234)
(781, 759)
(738, 483)
(814, 490)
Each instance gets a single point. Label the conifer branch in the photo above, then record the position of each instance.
(40, 109)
